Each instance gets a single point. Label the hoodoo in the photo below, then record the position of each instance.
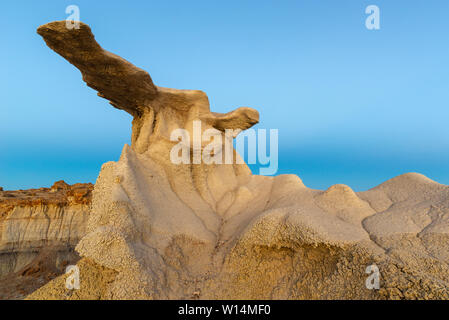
(160, 230)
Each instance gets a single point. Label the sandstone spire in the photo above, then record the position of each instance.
(159, 230)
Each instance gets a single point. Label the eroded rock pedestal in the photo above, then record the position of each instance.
(160, 230)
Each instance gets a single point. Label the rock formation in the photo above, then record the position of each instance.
(39, 230)
(160, 230)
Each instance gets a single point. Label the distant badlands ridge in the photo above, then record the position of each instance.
(39, 229)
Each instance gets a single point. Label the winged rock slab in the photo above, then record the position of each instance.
(163, 231)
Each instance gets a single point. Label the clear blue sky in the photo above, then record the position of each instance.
(352, 106)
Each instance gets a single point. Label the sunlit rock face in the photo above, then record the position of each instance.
(162, 230)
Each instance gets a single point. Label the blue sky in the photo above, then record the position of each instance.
(352, 106)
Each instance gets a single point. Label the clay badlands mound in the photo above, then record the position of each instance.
(39, 229)
(159, 230)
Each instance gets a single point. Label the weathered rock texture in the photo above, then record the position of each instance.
(164, 231)
(39, 230)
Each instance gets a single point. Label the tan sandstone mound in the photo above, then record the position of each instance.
(160, 230)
